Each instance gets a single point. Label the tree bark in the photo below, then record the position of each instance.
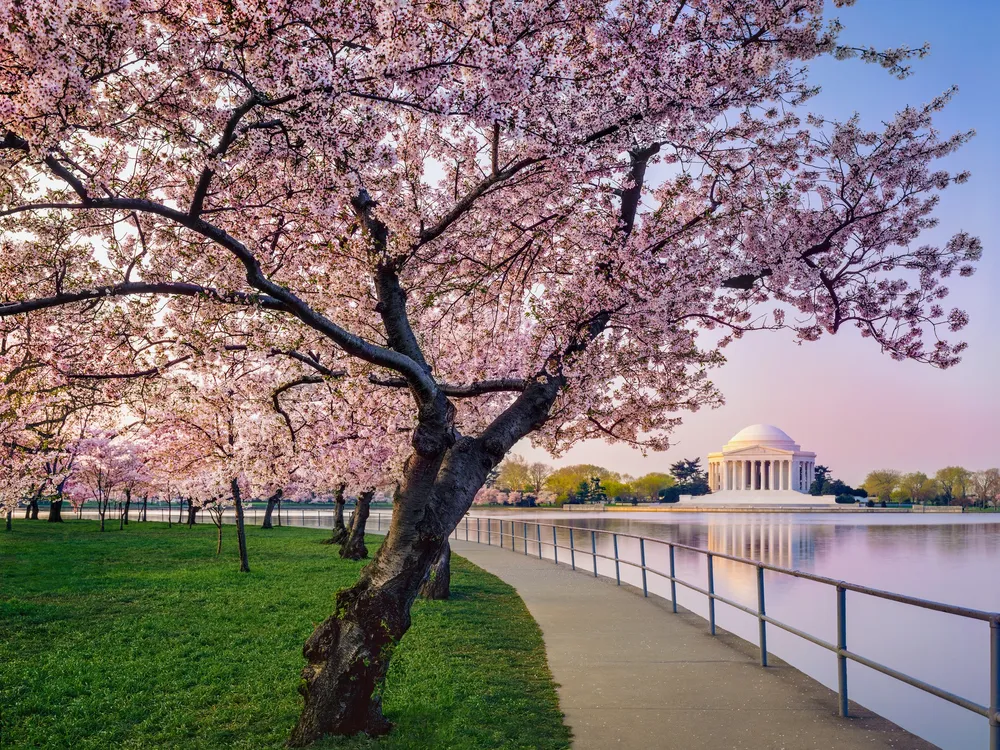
(271, 502)
(348, 654)
(192, 514)
(121, 516)
(55, 511)
(180, 511)
(128, 504)
(241, 532)
(354, 547)
(339, 533)
(145, 508)
(10, 515)
(437, 583)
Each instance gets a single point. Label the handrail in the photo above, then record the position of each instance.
(991, 712)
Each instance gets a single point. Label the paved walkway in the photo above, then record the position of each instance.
(632, 675)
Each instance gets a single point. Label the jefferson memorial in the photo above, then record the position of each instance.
(761, 465)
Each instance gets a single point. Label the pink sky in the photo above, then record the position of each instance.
(840, 397)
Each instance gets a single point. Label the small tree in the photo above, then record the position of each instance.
(881, 483)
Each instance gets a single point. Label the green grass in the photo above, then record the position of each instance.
(146, 639)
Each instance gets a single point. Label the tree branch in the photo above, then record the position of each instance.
(480, 388)
(173, 288)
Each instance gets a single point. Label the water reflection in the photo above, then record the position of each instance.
(947, 558)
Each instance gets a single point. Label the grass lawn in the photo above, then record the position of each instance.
(146, 639)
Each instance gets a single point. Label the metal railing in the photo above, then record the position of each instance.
(492, 531)
(521, 541)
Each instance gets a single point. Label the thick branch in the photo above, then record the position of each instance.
(480, 388)
(174, 288)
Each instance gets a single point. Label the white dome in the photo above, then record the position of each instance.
(761, 434)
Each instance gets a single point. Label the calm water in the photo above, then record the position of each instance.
(947, 558)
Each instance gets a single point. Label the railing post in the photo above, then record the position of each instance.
(572, 550)
(489, 531)
(618, 575)
(760, 615)
(478, 534)
(711, 595)
(525, 525)
(538, 537)
(593, 550)
(673, 582)
(555, 546)
(842, 646)
(994, 684)
(642, 560)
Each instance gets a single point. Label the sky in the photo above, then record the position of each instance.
(841, 397)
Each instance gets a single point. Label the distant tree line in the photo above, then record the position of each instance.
(952, 485)
(520, 483)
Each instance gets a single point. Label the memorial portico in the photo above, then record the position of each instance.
(761, 458)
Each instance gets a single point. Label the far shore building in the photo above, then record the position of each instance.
(761, 465)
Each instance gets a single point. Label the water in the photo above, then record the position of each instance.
(946, 558)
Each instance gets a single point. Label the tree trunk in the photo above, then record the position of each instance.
(102, 508)
(437, 583)
(218, 542)
(55, 511)
(279, 512)
(192, 515)
(33, 506)
(354, 548)
(170, 518)
(348, 654)
(128, 504)
(121, 516)
(271, 502)
(180, 511)
(145, 509)
(241, 532)
(339, 533)
(10, 515)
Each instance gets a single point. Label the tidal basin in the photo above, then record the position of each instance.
(949, 558)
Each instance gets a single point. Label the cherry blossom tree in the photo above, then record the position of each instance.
(496, 220)
(104, 464)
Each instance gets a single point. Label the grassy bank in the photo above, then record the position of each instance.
(145, 639)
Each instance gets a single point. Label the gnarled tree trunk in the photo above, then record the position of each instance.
(10, 515)
(437, 582)
(348, 654)
(339, 533)
(55, 511)
(145, 509)
(271, 502)
(128, 504)
(241, 532)
(192, 514)
(354, 547)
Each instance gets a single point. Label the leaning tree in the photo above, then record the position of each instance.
(520, 218)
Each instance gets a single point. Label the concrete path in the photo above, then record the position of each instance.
(632, 675)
